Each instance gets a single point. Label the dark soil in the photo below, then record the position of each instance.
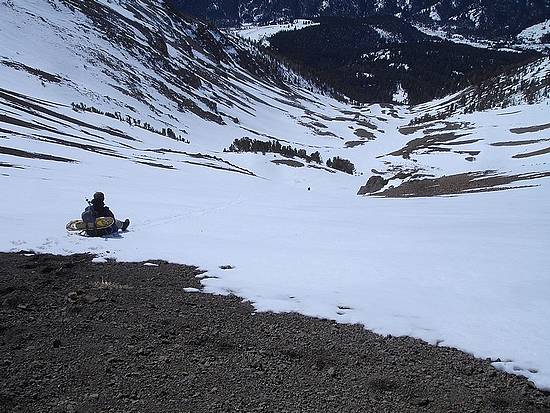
(353, 144)
(470, 182)
(44, 76)
(32, 155)
(530, 129)
(428, 143)
(531, 154)
(288, 162)
(365, 134)
(82, 337)
(519, 143)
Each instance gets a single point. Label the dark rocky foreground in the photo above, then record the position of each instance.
(82, 337)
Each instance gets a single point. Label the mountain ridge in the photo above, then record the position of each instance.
(477, 17)
(370, 59)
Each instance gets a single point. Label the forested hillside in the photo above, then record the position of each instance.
(371, 60)
(486, 18)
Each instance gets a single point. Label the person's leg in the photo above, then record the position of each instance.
(122, 225)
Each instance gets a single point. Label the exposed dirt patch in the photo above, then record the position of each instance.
(230, 166)
(319, 125)
(289, 162)
(33, 155)
(450, 126)
(353, 144)
(367, 124)
(471, 182)
(21, 123)
(374, 184)
(319, 128)
(432, 127)
(531, 154)
(8, 165)
(427, 143)
(324, 168)
(44, 76)
(35, 108)
(529, 129)
(470, 155)
(409, 130)
(463, 142)
(509, 113)
(342, 119)
(519, 143)
(85, 147)
(155, 164)
(9, 132)
(351, 112)
(326, 133)
(82, 337)
(220, 168)
(364, 134)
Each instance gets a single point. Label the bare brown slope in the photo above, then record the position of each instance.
(82, 337)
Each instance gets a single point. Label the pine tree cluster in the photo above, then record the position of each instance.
(341, 164)
(168, 132)
(255, 145)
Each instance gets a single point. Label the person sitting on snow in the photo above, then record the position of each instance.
(97, 209)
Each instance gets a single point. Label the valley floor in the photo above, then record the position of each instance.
(79, 336)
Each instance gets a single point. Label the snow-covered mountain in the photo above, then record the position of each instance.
(440, 60)
(483, 18)
(537, 35)
(130, 98)
(370, 59)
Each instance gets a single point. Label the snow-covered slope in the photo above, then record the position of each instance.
(535, 32)
(467, 271)
(258, 33)
(533, 38)
(537, 35)
(527, 84)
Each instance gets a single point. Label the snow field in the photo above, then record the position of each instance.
(261, 33)
(467, 272)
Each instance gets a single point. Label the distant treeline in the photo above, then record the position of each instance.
(254, 145)
(168, 132)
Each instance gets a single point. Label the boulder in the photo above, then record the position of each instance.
(374, 184)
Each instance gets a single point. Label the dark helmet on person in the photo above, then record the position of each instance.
(99, 198)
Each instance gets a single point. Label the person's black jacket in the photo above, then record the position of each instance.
(97, 211)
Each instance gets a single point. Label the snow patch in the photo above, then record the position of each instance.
(534, 34)
(389, 37)
(400, 96)
(262, 33)
(434, 15)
